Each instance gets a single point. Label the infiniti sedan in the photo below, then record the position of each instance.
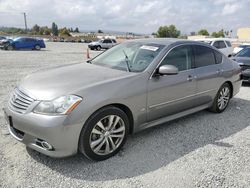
(91, 107)
(243, 58)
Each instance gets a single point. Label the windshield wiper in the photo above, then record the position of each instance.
(127, 61)
(89, 61)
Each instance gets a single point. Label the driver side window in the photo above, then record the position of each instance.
(181, 57)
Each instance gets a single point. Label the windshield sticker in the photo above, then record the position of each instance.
(152, 48)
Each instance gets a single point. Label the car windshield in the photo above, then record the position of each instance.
(17, 39)
(131, 56)
(244, 53)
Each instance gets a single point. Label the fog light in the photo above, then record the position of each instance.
(46, 145)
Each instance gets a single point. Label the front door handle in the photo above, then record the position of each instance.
(190, 78)
(219, 71)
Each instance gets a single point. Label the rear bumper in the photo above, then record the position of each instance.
(31, 129)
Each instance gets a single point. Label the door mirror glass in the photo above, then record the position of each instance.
(168, 70)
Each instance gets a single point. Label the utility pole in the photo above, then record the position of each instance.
(25, 21)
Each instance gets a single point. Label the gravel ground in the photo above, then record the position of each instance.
(201, 150)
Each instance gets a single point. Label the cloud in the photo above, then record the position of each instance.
(141, 16)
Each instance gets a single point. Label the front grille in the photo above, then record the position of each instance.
(19, 101)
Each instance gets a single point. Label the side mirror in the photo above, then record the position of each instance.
(168, 70)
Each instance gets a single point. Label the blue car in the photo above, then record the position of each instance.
(23, 43)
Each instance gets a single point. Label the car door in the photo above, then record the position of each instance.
(107, 43)
(208, 71)
(171, 94)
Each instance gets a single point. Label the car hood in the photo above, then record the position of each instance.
(244, 60)
(94, 43)
(70, 79)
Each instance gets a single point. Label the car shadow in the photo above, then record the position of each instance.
(246, 84)
(157, 147)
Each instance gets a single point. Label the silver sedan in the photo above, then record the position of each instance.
(91, 107)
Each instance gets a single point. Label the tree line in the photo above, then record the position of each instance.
(54, 30)
(172, 32)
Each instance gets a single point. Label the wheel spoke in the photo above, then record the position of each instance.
(95, 131)
(112, 143)
(118, 130)
(100, 124)
(96, 142)
(111, 118)
(116, 121)
(116, 135)
(107, 148)
(97, 149)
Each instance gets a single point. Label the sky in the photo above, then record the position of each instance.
(138, 16)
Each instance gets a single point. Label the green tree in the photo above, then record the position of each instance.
(99, 31)
(76, 30)
(35, 29)
(203, 32)
(64, 32)
(218, 34)
(168, 31)
(54, 29)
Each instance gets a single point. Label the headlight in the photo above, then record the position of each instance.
(61, 105)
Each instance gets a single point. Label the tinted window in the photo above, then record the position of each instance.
(219, 44)
(244, 53)
(204, 56)
(218, 57)
(229, 44)
(107, 41)
(113, 40)
(181, 57)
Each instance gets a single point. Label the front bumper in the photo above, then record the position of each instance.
(245, 75)
(31, 129)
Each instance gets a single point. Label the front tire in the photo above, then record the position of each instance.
(104, 133)
(98, 48)
(222, 99)
(10, 47)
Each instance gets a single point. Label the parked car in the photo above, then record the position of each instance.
(92, 107)
(23, 43)
(243, 58)
(102, 44)
(239, 48)
(2, 38)
(222, 44)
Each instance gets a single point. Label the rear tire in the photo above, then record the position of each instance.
(222, 99)
(37, 47)
(104, 133)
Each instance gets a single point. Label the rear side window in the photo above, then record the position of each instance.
(228, 44)
(204, 56)
(219, 44)
(218, 57)
(113, 40)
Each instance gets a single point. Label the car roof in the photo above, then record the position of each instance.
(212, 39)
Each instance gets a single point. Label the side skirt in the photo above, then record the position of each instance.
(171, 117)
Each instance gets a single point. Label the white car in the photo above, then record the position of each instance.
(221, 44)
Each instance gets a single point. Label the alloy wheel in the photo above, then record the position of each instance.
(107, 135)
(223, 98)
